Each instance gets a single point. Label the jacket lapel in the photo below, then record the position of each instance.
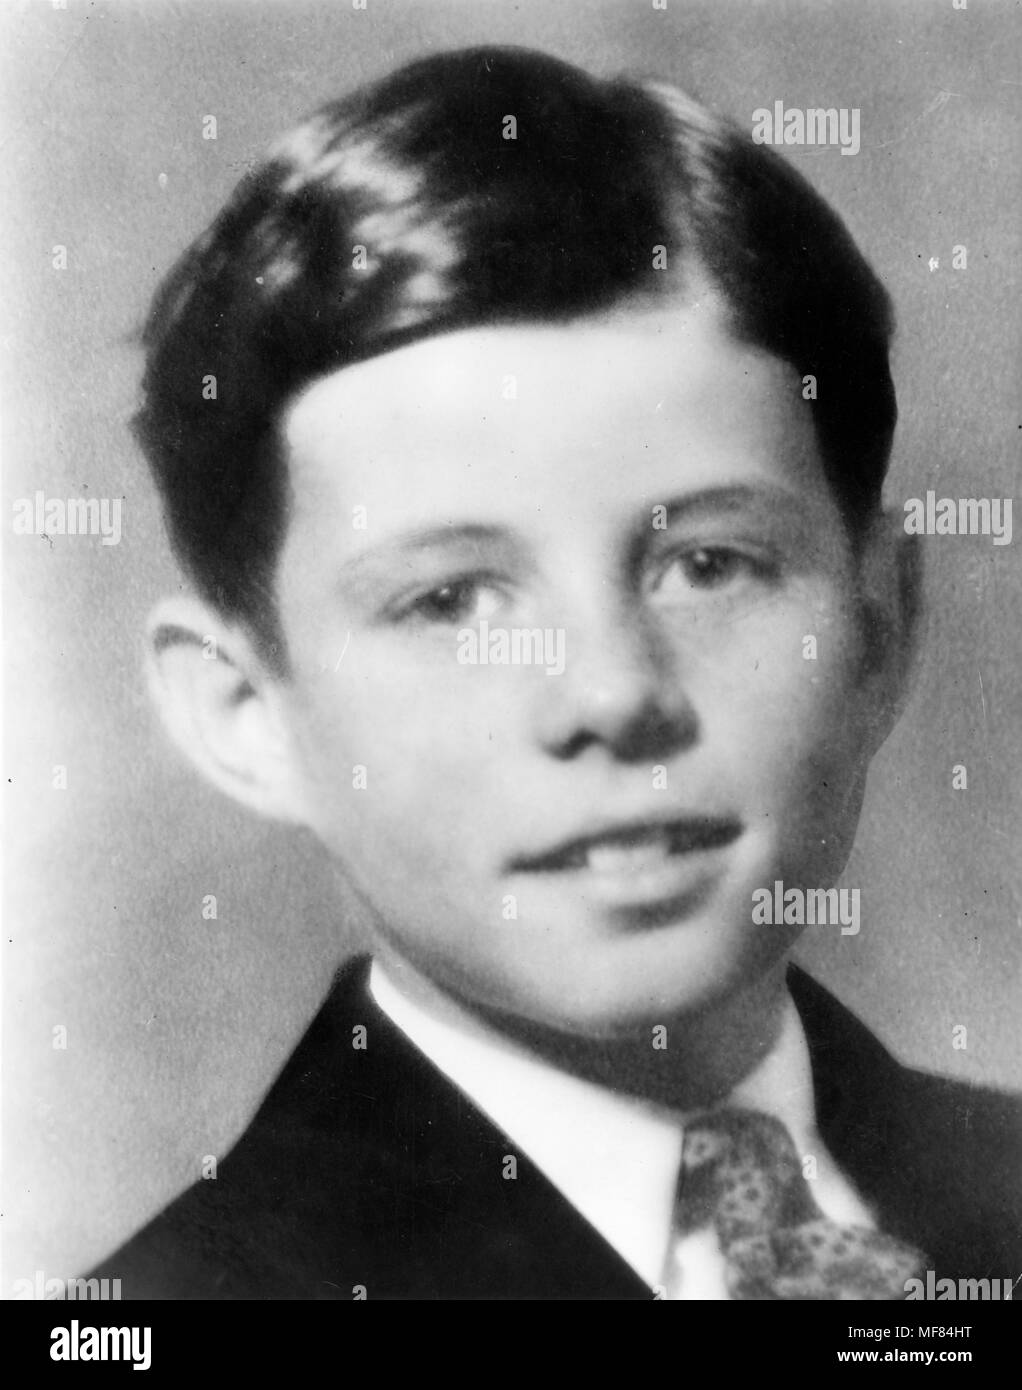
(432, 1192)
(908, 1140)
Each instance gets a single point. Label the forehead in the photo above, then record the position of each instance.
(486, 424)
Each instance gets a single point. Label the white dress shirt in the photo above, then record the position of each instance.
(616, 1158)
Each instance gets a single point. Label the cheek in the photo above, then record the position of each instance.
(425, 749)
(784, 716)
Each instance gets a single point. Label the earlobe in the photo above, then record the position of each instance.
(221, 707)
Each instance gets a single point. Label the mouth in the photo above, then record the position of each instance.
(645, 873)
(640, 850)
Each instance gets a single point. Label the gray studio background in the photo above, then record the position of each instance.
(175, 1024)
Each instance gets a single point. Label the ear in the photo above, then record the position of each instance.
(222, 707)
(891, 616)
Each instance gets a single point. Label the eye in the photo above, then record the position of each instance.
(709, 568)
(460, 601)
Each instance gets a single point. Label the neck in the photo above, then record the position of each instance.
(709, 1051)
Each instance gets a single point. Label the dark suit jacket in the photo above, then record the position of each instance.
(368, 1167)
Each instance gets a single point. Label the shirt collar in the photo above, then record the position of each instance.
(614, 1157)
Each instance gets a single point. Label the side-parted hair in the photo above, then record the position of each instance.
(404, 211)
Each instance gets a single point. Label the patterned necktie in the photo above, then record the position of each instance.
(741, 1175)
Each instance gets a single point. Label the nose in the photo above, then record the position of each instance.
(620, 689)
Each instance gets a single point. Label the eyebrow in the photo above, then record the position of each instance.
(420, 542)
(738, 497)
(445, 537)
(768, 501)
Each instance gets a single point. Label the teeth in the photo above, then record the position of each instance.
(652, 853)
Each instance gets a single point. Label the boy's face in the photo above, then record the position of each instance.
(579, 848)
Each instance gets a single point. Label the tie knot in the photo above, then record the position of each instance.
(741, 1170)
(742, 1176)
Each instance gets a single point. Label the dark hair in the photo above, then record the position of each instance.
(463, 227)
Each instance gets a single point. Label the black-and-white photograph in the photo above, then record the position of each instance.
(513, 636)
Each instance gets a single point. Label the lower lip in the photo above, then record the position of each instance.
(683, 880)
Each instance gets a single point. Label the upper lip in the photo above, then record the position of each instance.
(687, 832)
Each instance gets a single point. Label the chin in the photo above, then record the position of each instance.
(606, 1000)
